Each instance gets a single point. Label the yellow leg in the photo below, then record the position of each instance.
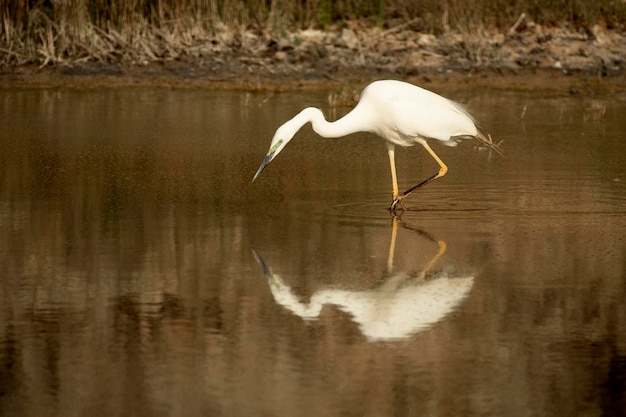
(392, 163)
(443, 169)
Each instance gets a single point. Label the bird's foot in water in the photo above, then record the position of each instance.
(397, 205)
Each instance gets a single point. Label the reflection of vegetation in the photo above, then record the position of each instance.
(140, 30)
(147, 301)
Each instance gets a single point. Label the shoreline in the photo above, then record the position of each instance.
(534, 57)
(166, 76)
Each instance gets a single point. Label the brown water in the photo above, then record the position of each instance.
(143, 275)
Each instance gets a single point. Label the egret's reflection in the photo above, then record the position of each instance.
(404, 303)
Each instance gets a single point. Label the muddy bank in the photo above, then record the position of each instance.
(524, 57)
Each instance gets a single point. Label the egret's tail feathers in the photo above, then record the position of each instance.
(488, 142)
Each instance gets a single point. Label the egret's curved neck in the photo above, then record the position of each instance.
(350, 123)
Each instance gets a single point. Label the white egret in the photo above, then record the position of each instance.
(402, 114)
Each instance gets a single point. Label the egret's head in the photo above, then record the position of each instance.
(281, 138)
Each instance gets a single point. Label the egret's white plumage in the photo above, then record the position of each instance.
(401, 113)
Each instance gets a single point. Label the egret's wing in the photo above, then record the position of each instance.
(437, 118)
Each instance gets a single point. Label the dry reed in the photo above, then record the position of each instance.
(141, 31)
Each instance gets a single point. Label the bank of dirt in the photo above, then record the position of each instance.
(583, 61)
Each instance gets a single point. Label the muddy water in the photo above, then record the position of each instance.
(142, 273)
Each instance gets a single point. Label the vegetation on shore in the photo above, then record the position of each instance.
(134, 32)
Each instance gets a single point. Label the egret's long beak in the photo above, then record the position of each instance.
(268, 158)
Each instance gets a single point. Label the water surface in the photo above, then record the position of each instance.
(143, 274)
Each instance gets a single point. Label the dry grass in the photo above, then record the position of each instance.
(140, 31)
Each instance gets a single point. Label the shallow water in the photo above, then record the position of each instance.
(143, 274)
